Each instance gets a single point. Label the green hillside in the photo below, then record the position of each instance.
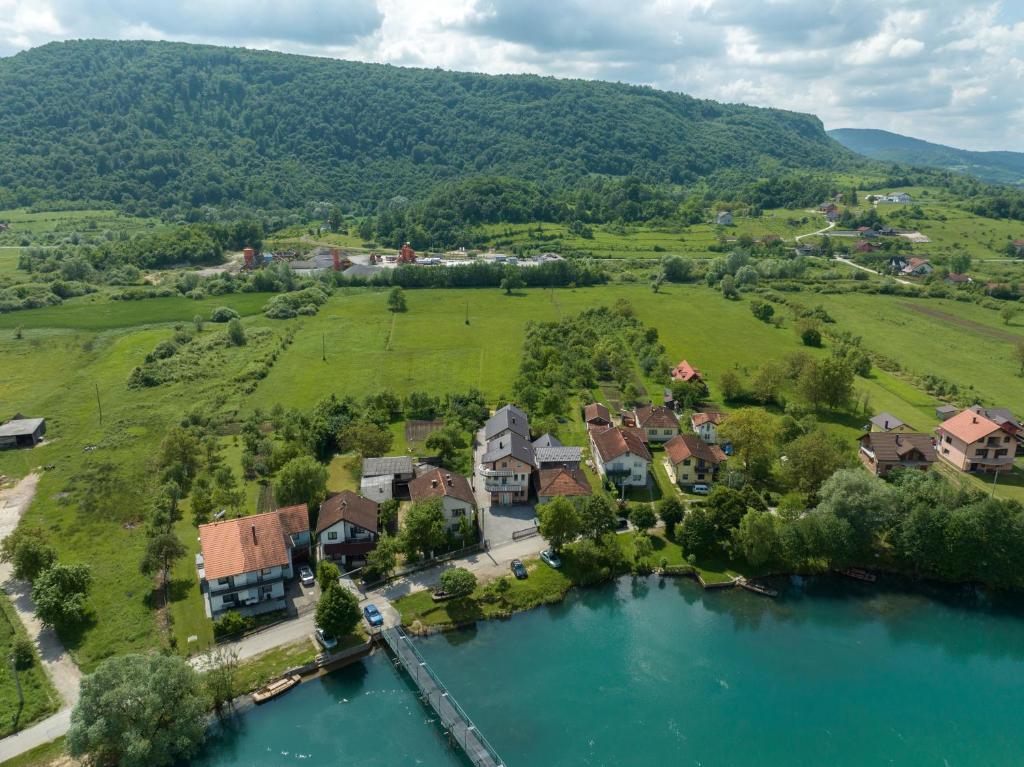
(995, 167)
(153, 126)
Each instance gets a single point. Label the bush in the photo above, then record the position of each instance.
(232, 624)
(458, 581)
(223, 314)
(810, 336)
(24, 653)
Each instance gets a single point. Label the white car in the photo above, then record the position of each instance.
(700, 489)
(325, 640)
(306, 577)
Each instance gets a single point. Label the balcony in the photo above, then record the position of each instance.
(483, 471)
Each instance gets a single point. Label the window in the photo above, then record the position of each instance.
(266, 571)
(230, 599)
(686, 462)
(223, 581)
(458, 512)
(504, 464)
(949, 439)
(981, 452)
(1000, 452)
(332, 535)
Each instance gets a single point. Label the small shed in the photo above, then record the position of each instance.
(22, 432)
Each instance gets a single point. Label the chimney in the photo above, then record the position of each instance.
(899, 441)
(433, 483)
(255, 542)
(448, 479)
(974, 419)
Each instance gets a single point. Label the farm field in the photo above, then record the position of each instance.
(70, 350)
(51, 227)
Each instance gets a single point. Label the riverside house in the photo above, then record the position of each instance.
(346, 529)
(245, 561)
(883, 451)
(457, 501)
(972, 442)
(621, 456)
(693, 460)
(505, 468)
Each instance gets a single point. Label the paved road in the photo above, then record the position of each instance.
(58, 664)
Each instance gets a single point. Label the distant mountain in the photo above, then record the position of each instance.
(155, 125)
(996, 167)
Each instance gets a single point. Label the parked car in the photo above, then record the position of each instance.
(551, 558)
(700, 489)
(373, 616)
(519, 569)
(306, 577)
(324, 639)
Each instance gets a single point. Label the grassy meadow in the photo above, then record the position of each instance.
(69, 351)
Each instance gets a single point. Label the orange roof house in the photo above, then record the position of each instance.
(973, 442)
(684, 371)
(552, 483)
(244, 545)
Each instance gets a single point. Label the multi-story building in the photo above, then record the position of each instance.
(883, 451)
(972, 442)
(621, 456)
(505, 468)
(694, 461)
(507, 420)
(457, 501)
(347, 528)
(705, 426)
(659, 423)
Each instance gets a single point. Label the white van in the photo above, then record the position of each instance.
(700, 489)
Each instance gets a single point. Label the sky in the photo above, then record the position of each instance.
(950, 71)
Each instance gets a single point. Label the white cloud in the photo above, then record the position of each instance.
(944, 70)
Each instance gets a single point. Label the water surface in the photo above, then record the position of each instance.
(646, 672)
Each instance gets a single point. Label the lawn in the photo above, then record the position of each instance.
(71, 350)
(46, 755)
(40, 698)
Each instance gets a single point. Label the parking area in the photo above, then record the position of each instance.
(497, 523)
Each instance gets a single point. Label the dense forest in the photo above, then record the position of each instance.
(155, 126)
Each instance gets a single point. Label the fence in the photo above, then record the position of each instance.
(526, 532)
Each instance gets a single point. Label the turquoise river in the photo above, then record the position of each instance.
(650, 672)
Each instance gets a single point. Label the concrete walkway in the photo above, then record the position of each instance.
(58, 664)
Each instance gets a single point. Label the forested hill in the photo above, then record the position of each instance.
(154, 125)
(995, 167)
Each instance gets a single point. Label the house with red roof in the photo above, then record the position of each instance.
(917, 267)
(561, 482)
(659, 423)
(693, 460)
(245, 561)
(347, 529)
(621, 456)
(863, 246)
(457, 500)
(684, 371)
(705, 426)
(971, 441)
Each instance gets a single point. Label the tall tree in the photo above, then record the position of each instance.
(560, 522)
(337, 612)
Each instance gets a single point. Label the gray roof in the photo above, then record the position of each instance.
(1000, 415)
(886, 421)
(362, 270)
(508, 418)
(389, 464)
(510, 445)
(20, 427)
(546, 440)
(560, 454)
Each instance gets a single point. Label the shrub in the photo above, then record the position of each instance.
(232, 624)
(223, 314)
(810, 336)
(23, 653)
(458, 581)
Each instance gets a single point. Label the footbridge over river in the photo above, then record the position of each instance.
(454, 719)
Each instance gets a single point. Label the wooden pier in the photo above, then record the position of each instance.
(455, 720)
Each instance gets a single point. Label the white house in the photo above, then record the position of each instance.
(346, 529)
(620, 455)
(705, 426)
(724, 218)
(457, 501)
(246, 561)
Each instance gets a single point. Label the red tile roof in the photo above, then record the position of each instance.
(565, 482)
(294, 519)
(595, 411)
(699, 419)
(350, 507)
(243, 545)
(683, 446)
(968, 426)
(659, 417)
(614, 442)
(684, 371)
(440, 482)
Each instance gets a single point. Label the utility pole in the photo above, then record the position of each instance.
(323, 346)
(994, 480)
(99, 405)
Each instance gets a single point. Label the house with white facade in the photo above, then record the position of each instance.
(659, 423)
(347, 529)
(621, 456)
(705, 426)
(245, 561)
(457, 501)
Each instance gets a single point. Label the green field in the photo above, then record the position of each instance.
(41, 698)
(47, 228)
(70, 350)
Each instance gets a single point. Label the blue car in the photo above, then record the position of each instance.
(373, 616)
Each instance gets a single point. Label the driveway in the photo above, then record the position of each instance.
(58, 664)
(873, 271)
(497, 523)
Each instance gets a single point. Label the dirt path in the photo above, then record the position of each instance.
(58, 664)
(976, 327)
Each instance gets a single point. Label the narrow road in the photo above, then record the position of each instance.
(58, 664)
(873, 271)
(812, 234)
